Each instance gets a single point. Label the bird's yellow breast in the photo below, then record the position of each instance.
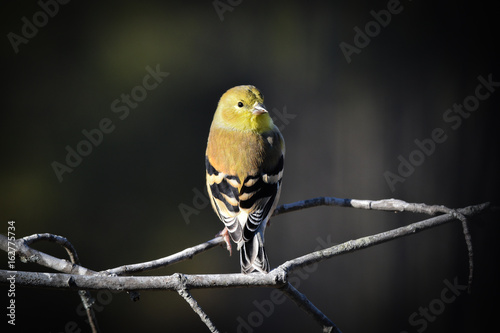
(243, 153)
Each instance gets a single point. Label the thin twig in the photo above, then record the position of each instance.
(188, 253)
(388, 205)
(306, 305)
(379, 238)
(88, 301)
(184, 292)
(394, 205)
(85, 296)
(28, 254)
(197, 309)
(468, 242)
(63, 241)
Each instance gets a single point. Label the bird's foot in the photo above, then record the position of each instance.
(225, 235)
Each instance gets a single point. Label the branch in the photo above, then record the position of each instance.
(303, 303)
(184, 292)
(276, 278)
(78, 277)
(380, 238)
(388, 205)
(188, 253)
(393, 205)
(28, 240)
(28, 255)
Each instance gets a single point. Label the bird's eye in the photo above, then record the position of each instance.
(240, 104)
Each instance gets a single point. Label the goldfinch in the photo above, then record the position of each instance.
(244, 167)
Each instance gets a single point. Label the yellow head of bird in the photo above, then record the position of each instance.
(242, 108)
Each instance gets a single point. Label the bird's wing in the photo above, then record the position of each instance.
(223, 190)
(258, 198)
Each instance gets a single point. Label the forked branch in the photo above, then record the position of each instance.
(77, 277)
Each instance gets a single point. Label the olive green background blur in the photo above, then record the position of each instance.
(345, 125)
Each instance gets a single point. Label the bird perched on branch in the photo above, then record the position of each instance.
(244, 167)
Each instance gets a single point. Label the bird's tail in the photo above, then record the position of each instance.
(253, 257)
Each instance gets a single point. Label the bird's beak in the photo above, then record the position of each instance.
(259, 109)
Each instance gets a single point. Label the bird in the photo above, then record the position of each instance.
(244, 167)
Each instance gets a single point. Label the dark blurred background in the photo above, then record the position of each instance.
(346, 125)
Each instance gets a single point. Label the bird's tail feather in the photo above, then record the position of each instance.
(253, 257)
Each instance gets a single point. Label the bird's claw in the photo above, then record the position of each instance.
(225, 235)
